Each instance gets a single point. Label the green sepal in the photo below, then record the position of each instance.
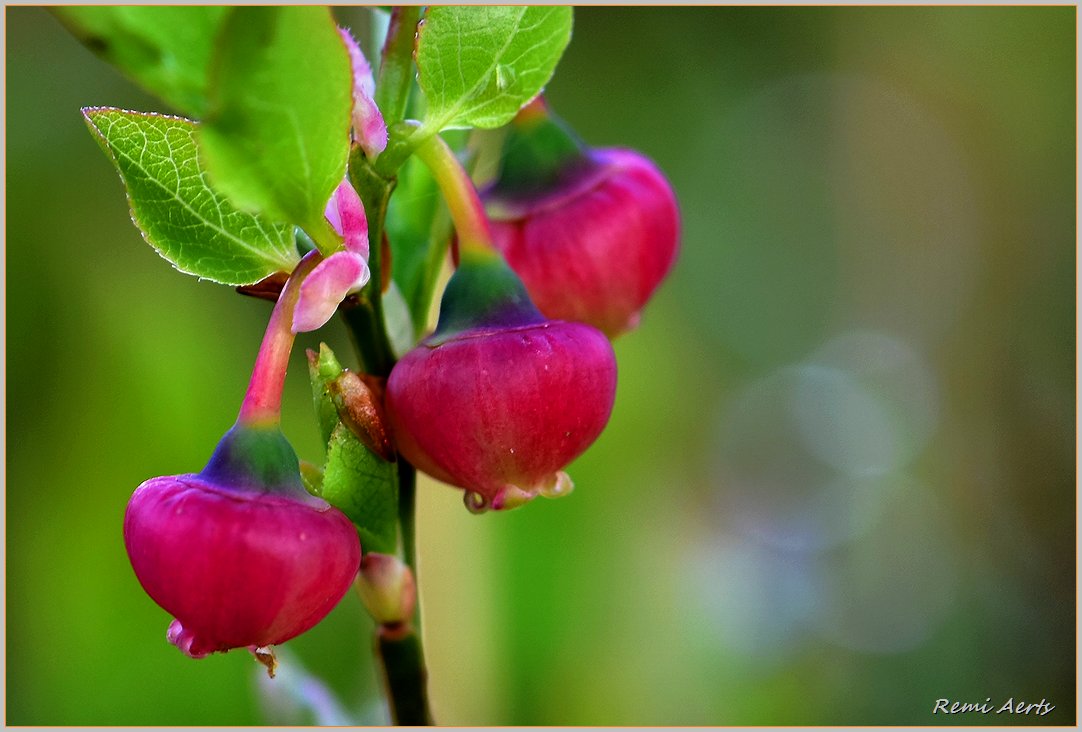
(538, 151)
(256, 458)
(483, 292)
(312, 476)
(323, 368)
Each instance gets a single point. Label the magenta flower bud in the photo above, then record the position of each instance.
(240, 554)
(500, 399)
(591, 232)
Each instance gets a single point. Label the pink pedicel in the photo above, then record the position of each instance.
(500, 411)
(594, 246)
(237, 567)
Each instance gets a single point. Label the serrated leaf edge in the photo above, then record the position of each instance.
(87, 112)
(447, 119)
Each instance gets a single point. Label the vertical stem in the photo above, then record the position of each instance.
(395, 70)
(263, 401)
(365, 315)
(407, 499)
(401, 653)
(403, 665)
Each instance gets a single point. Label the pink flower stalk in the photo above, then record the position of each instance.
(341, 273)
(369, 129)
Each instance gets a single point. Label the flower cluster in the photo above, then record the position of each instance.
(553, 259)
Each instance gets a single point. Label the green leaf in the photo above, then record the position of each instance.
(477, 65)
(276, 136)
(165, 48)
(356, 481)
(179, 214)
(363, 486)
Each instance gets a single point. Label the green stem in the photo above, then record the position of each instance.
(396, 68)
(467, 212)
(324, 236)
(364, 313)
(439, 234)
(401, 655)
(404, 671)
(407, 497)
(484, 150)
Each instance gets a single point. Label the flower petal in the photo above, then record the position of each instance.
(369, 129)
(327, 285)
(346, 214)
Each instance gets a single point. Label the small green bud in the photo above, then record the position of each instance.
(387, 588)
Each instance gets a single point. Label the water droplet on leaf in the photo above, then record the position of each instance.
(505, 76)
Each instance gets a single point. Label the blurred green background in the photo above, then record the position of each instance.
(839, 482)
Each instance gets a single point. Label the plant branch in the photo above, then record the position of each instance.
(364, 313)
(405, 676)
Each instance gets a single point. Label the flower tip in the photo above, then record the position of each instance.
(369, 128)
(184, 640)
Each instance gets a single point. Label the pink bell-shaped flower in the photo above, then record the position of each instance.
(591, 232)
(500, 399)
(240, 554)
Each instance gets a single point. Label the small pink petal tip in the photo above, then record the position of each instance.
(184, 639)
(345, 212)
(327, 285)
(369, 129)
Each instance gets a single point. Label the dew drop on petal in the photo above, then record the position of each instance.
(561, 486)
(475, 502)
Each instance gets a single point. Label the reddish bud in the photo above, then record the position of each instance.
(591, 232)
(240, 554)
